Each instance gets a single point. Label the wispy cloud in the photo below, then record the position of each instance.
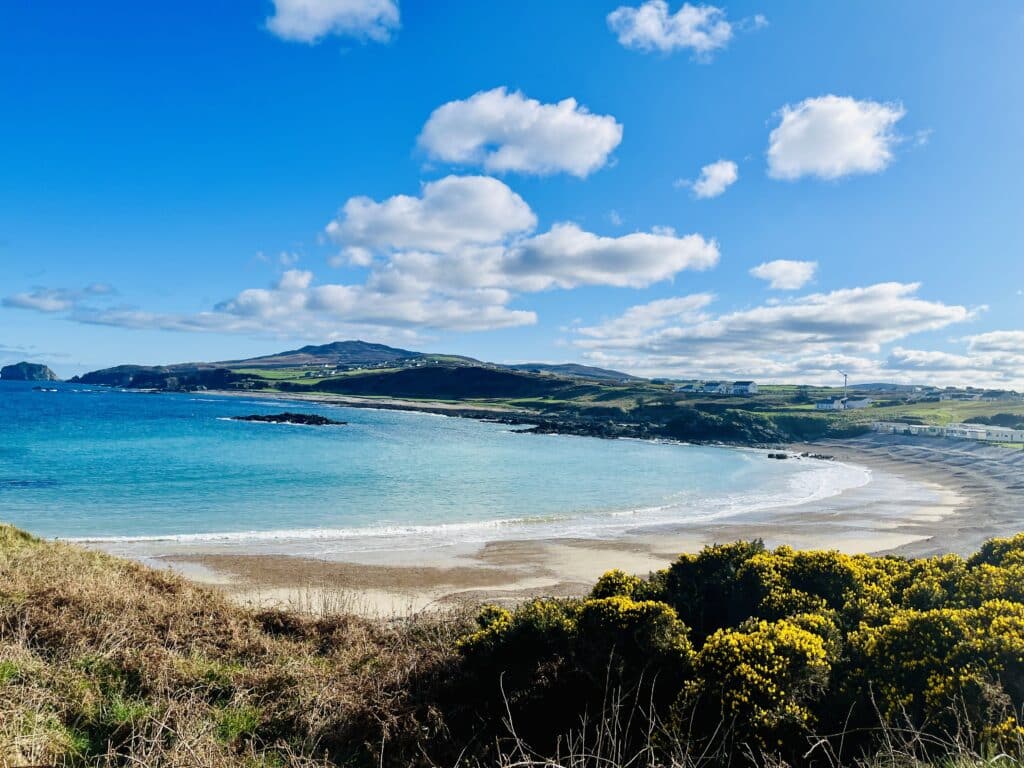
(51, 300)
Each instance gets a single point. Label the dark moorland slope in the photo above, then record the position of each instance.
(447, 383)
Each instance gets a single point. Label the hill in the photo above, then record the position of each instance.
(343, 353)
(27, 372)
(574, 370)
(449, 383)
(308, 365)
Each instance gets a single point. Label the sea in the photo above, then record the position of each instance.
(103, 465)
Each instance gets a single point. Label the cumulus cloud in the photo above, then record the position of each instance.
(715, 178)
(784, 274)
(451, 212)
(567, 256)
(797, 340)
(502, 131)
(458, 256)
(833, 136)
(309, 21)
(650, 27)
(473, 232)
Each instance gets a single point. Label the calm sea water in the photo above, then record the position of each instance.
(101, 464)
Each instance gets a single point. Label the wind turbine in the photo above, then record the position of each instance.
(846, 381)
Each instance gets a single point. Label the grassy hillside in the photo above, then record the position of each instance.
(565, 398)
(737, 655)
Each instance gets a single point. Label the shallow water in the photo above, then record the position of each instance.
(105, 465)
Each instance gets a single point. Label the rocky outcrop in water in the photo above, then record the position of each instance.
(305, 419)
(27, 372)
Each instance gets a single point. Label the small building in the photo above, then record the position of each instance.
(959, 395)
(981, 432)
(744, 388)
(831, 404)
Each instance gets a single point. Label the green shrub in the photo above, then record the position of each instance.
(763, 680)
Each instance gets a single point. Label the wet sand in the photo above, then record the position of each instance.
(926, 496)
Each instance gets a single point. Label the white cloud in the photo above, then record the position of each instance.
(54, 300)
(296, 306)
(655, 314)
(833, 136)
(450, 212)
(472, 232)
(456, 257)
(784, 274)
(650, 27)
(931, 360)
(309, 21)
(503, 131)
(567, 256)
(998, 341)
(992, 359)
(715, 178)
(798, 340)
(352, 256)
(41, 300)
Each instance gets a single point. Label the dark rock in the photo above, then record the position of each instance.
(306, 419)
(27, 372)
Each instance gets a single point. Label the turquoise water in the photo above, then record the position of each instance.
(101, 464)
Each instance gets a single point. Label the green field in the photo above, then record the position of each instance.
(787, 411)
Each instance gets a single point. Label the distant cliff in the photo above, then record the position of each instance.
(27, 372)
(170, 378)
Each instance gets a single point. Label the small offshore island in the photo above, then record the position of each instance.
(27, 372)
(302, 419)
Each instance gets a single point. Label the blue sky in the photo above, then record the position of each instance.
(770, 190)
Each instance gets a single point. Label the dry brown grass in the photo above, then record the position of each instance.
(104, 663)
(107, 662)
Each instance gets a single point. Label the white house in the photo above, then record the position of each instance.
(744, 388)
(831, 404)
(958, 395)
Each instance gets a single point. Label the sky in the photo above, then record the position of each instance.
(775, 191)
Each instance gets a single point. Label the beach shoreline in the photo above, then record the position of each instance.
(924, 497)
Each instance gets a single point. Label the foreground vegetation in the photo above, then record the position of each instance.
(735, 655)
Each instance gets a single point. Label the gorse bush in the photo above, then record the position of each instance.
(732, 655)
(757, 651)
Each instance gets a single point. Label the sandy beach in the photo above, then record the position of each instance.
(925, 497)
